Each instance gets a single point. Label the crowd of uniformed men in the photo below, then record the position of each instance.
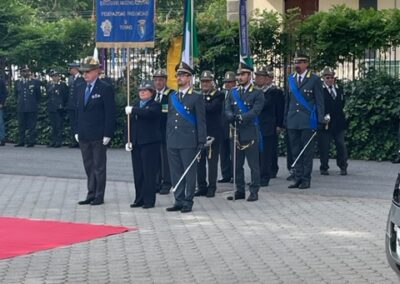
(169, 129)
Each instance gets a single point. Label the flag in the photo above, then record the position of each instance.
(173, 57)
(245, 53)
(189, 40)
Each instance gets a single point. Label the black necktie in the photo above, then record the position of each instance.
(180, 96)
(332, 92)
(299, 80)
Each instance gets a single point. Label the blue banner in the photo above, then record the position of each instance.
(125, 23)
(243, 34)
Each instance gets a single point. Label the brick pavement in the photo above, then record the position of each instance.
(283, 238)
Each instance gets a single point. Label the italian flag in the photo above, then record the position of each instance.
(189, 40)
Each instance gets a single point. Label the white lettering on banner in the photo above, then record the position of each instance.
(123, 3)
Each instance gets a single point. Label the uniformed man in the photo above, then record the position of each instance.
(27, 91)
(243, 105)
(304, 111)
(186, 136)
(3, 95)
(162, 96)
(271, 120)
(225, 148)
(336, 124)
(74, 80)
(57, 96)
(95, 123)
(213, 101)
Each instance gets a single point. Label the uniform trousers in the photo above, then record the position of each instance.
(2, 127)
(212, 167)
(56, 122)
(225, 158)
(27, 123)
(94, 156)
(251, 154)
(274, 163)
(144, 161)
(179, 160)
(298, 139)
(289, 155)
(324, 141)
(163, 175)
(71, 118)
(266, 157)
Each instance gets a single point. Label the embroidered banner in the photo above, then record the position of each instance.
(125, 23)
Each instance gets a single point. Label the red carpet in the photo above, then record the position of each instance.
(20, 236)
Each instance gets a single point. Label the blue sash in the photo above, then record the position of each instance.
(245, 109)
(181, 109)
(297, 94)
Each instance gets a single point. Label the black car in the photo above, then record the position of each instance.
(392, 241)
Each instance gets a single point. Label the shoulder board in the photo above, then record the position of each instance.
(190, 91)
(251, 88)
(309, 73)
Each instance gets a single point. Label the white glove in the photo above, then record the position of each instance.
(128, 110)
(106, 140)
(128, 147)
(77, 138)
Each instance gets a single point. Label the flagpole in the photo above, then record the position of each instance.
(128, 117)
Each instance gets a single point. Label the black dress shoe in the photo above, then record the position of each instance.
(73, 146)
(224, 180)
(165, 190)
(174, 208)
(30, 145)
(295, 185)
(304, 185)
(186, 209)
(343, 172)
(211, 192)
(238, 196)
(290, 177)
(147, 206)
(19, 145)
(324, 172)
(96, 202)
(2, 143)
(57, 145)
(85, 202)
(264, 183)
(252, 197)
(201, 192)
(133, 205)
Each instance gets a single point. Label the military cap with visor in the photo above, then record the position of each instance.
(328, 71)
(229, 77)
(244, 68)
(182, 67)
(301, 56)
(265, 70)
(147, 85)
(160, 73)
(206, 76)
(73, 65)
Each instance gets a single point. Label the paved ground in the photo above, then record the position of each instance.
(332, 233)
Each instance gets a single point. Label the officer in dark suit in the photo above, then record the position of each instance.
(213, 101)
(304, 111)
(225, 148)
(163, 175)
(28, 92)
(336, 124)
(3, 96)
(74, 81)
(57, 96)
(186, 136)
(243, 105)
(145, 144)
(95, 123)
(271, 120)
